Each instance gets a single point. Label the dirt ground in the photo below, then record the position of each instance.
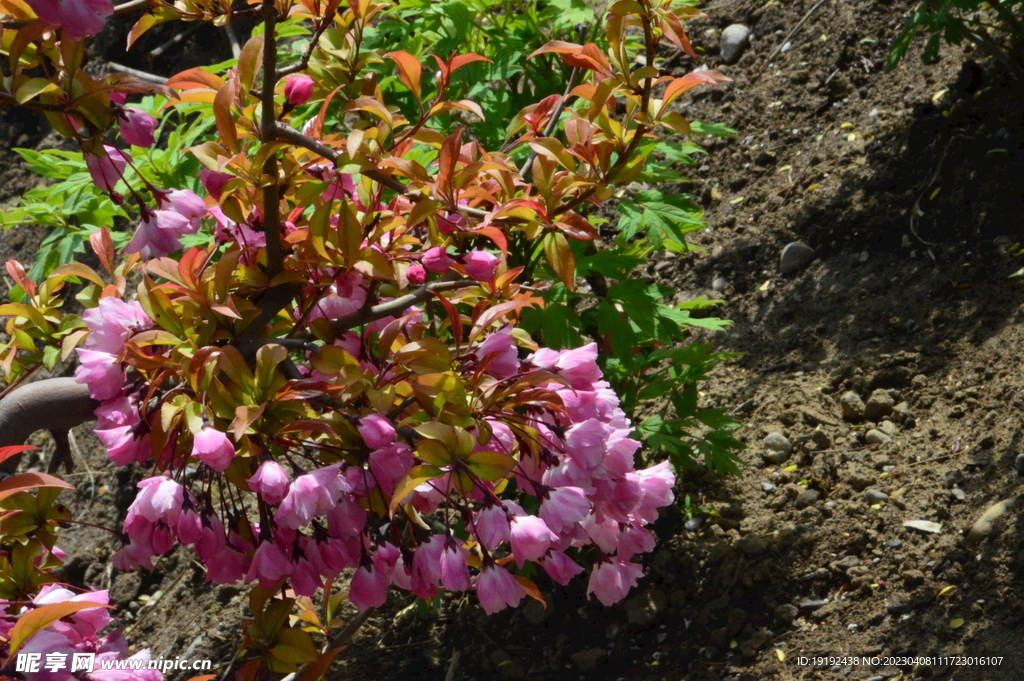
(907, 185)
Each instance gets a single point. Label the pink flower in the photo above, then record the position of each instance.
(416, 275)
(106, 170)
(186, 203)
(369, 588)
(214, 182)
(490, 525)
(213, 448)
(390, 464)
(497, 589)
(129, 673)
(426, 567)
(160, 498)
(113, 322)
(126, 444)
(269, 565)
(101, 372)
(298, 90)
(454, 571)
(578, 366)
(611, 580)
(159, 234)
(585, 443)
(310, 495)
(656, 483)
(119, 411)
(271, 481)
(500, 350)
(376, 431)
(564, 506)
(531, 537)
(480, 265)
(436, 260)
(137, 127)
(560, 567)
(77, 18)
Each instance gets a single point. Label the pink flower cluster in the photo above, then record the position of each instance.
(75, 634)
(575, 471)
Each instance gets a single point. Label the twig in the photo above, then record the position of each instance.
(453, 665)
(792, 32)
(917, 204)
(144, 75)
(396, 306)
(85, 464)
(178, 37)
(268, 133)
(236, 48)
(314, 41)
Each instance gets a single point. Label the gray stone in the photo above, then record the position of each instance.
(852, 405)
(913, 578)
(752, 544)
(986, 523)
(898, 606)
(889, 428)
(846, 563)
(750, 647)
(821, 440)
(693, 524)
(588, 660)
(767, 487)
(735, 41)
(874, 496)
(959, 494)
(795, 255)
(901, 412)
(808, 497)
(719, 284)
(878, 405)
(775, 457)
(924, 526)
(876, 437)
(778, 442)
(786, 612)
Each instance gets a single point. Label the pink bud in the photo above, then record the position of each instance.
(137, 127)
(436, 260)
(298, 90)
(108, 169)
(480, 265)
(376, 431)
(454, 571)
(497, 589)
(271, 481)
(213, 448)
(416, 275)
(118, 97)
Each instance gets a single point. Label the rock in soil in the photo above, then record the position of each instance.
(878, 405)
(852, 405)
(876, 437)
(778, 442)
(795, 255)
(924, 526)
(874, 496)
(983, 527)
(735, 41)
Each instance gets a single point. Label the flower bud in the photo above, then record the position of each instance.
(480, 265)
(298, 90)
(436, 260)
(416, 275)
(137, 127)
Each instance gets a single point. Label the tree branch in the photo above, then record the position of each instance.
(268, 133)
(54, 404)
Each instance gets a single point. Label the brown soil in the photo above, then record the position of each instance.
(910, 199)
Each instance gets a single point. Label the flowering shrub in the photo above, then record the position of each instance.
(322, 360)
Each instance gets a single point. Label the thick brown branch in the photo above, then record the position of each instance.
(54, 404)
